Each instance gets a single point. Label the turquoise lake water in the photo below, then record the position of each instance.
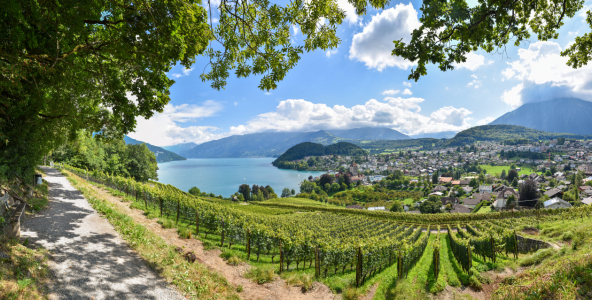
(222, 176)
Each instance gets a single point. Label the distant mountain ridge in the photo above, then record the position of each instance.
(180, 147)
(162, 155)
(500, 133)
(273, 144)
(563, 115)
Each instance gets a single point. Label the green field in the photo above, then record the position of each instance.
(498, 169)
(484, 210)
(297, 201)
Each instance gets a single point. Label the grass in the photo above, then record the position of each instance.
(484, 209)
(297, 201)
(194, 280)
(537, 257)
(26, 274)
(39, 200)
(498, 169)
(261, 275)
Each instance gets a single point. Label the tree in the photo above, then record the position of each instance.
(513, 166)
(511, 201)
(474, 183)
(450, 30)
(529, 191)
(448, 207)
(245, 190)
(285, 193)
(293, 192)
(335, 187)
(503, 175)
(347, 179)
(307, 186)
(67, 67)
(515, 182)
(326, 179)
(343, 186)
(431, 206)
(194, 191)
(397, 206)
(513, 174)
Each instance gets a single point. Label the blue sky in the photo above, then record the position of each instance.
(360, 84)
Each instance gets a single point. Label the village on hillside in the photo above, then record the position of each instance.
(482, 177)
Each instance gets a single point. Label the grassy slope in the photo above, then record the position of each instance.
(498, 169)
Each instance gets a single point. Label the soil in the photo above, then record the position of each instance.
(277, 289)
(531, 231)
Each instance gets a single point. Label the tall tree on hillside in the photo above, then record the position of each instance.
(245, 190)
(503, 175)
(285, 193)
(194, 191)
(326, 178)
(529, 191)
(512, 174)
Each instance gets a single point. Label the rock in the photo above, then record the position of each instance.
(179, 250)
(4, 256)
(190, 257)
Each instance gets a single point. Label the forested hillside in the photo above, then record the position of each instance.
(161, 154)
(369, 133)
(311, 149)
(505, 132)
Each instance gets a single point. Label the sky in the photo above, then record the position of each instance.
(360, 84)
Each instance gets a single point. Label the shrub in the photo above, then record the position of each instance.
(234, 260)
(475, 283)
(261, 275)
(567, 236)
(184, 233)
(166, 223)
(537, 257)
(351, 294)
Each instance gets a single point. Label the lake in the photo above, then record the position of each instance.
(222, 176)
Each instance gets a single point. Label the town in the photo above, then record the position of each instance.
(482, 177)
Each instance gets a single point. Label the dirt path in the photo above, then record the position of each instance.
(278, 289)
(89, 259)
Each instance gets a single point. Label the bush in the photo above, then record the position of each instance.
(303, 280)
(166, 223)
(475, 283)
(184, 233)
(351, 294)
(261, 275)
(537, 257)
(567, 236)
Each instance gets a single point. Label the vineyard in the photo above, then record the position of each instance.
(332, 242)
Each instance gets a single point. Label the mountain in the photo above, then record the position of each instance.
(567, 115)
(369, 133)
(435, 135)
(312, 149)
(180, 147)
(162, 155)
(504, 132)
(266, 144)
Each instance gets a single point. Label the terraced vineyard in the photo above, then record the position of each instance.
(349, 245)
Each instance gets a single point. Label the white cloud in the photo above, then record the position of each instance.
(185, 71)
(407, 92)
(295, 29)
(163, 128)
(330, 52)
(397, 113)
(350, 11)
(391, 92)
(545, 75)
(485, 121)
(373, 46)
(407, 84)
(235, 103)
(475, 83)
(473, 62)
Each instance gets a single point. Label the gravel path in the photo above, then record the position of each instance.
(90, 260)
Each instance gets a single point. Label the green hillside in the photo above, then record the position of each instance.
(504, 132)
(311, 149)
(162, 155)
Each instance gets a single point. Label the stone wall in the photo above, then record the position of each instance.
(526, 245)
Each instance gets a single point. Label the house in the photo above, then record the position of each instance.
(451, 200)
(456, 182)
(464, 182)
(505, 193)
(460, 209)
(485, 188)
(556, 203)
(552, 193)
(377, 208)
(467, 189)
(355, 206)
(471, 202)
(587, 201)
(483, 197)
(439, 188)
(445, 180)
(499, 203)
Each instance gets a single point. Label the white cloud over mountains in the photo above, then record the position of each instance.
(373, 46)
(545, 75)
(473, 62)
(300, 115)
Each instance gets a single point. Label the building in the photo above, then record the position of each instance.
(460, 209)
(353, 169)
(377, 208)
(485, 188)
(471, 202)
(556, 203)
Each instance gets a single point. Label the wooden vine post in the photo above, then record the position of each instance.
(177, 221)
(160, 202)
(196, 223)
(399, 266)
(492, 249)
(318, 263)
(281, 258)
(359, 268)
(515, 246)
(222, 235)
(248, 244)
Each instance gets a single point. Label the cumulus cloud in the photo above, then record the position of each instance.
(185, 71)
(545, 75)
(396, 112)
(330, 52)
(407, 92)
(485, 121)
(473, 62)
(407, 84)
(391, 92)
(164, 128)
(373, 46)
(350, 11)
